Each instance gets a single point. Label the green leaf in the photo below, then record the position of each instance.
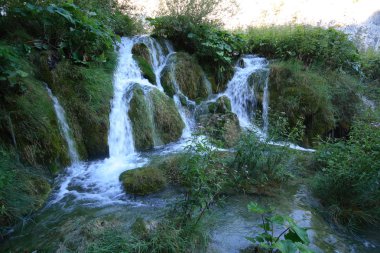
(285, 246)
(255, 208)
(292, 236)
(277, 219)
(302, 248)
(301, 232)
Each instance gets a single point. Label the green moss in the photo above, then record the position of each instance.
(143, 181)
(324, 100)
(85, 93)
(188, 74)
(146, 69)
(167, 83)
(142, 124)
(221, 105)
(141, 55)
(23, 190)
(224, 129)
(167, 120)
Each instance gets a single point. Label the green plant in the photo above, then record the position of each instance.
(203, 175)
(291, 239)
(214, 47)
(347, 181)
(63, 27)
(258, 165)
(328, 48)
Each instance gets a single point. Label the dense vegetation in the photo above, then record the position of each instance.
(317, 81)
(68, 46)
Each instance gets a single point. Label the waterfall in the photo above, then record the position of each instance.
(159, 56)
(64, 127)
(241, 91)
(120, 139)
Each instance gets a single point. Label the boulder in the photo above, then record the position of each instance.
(142, 125)
(143, 181)
(188, 74)
(221, 105)
(167, 120)
(224, 128)
(141, 55)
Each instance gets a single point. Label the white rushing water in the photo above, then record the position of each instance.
(64, 127)
(97, 183)
(241, 90)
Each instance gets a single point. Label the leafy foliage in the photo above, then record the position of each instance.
(198, 11)
(259, 164)
(212, 45)
(311, 45)
(203, 175)
(11, 74)
(348, 178)
(292, 239)
(66, 28)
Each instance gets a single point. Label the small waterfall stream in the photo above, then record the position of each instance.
(242, 91)
(64, 127)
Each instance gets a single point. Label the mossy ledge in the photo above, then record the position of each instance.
(143, 181)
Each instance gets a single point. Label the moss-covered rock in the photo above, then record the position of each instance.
(224, 128)
(141, 55)
(167, 120)
(85, 93)
(188, 75)
(323, 101)
(142, 125)
(143, 181)
(221, 105)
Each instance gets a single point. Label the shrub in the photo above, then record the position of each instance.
(347, 181)
(258, 165)
(65, 28)
(203, 175)
(311, 45)
(215, 48)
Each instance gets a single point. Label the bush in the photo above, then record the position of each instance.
(347, 181)
(259, 165)
(213, 46)
(312, 45)
(72, 32)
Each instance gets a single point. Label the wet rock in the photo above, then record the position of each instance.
(188, 75)
(143, 181)
(224, 128)
(142, 56)
(167, 120)
(221, 105)
(142, 125)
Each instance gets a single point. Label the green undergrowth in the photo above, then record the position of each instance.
(84, 92)
(23, 189)
(347, 179)
(327, 48)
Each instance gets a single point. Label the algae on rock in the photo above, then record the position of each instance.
(188, 74)
(141, 55)
(155, 119)
(142, 125)
(143, 181)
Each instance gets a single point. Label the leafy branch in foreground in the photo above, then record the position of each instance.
(291, 239)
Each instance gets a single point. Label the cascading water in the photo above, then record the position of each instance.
(241, 91)
(64, 127)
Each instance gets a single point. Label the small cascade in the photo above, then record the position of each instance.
(186, 115)
(158, 56)
(64, 127)
(241, 91)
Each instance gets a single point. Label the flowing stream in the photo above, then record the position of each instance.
(89, 190)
